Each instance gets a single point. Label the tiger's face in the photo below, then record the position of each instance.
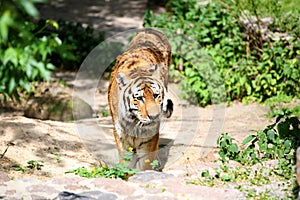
(143, 100)
(146, 101)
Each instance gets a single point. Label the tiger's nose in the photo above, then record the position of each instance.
(152, 117)
(153, 111)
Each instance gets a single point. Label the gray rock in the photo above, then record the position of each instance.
(58, 107)
(150, 175)
(91, 195)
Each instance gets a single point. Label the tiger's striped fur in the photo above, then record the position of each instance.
(137, 96)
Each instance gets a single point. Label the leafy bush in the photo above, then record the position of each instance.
(121, 170)
(266, 157)
(117, 171)
(30, 51)
(252, 68)
(77, 41)
(283, 110)
(277, 141)
(24, 57)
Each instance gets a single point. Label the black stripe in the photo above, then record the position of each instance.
(124, 97)
(130, 90)
(144, 142)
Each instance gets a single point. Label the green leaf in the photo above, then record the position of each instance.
(29, 7)
(50, 66)
(11, 85)
(271, 134)
(205, 173)
(234, 148)
(10, 55)
(52, 23)
(6, 21)
(248, 139)
(18, 168)
(287, 145)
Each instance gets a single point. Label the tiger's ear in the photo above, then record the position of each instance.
(121, 79)
(154, 70)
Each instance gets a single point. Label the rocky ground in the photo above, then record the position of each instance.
(188, 136)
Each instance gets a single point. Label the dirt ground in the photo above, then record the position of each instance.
(60, 146)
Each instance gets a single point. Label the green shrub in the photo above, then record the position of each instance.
(24, 57)
(117, 171)
(277, 141)
(120, 170)
(266, 157)
(251, 68)
(78, 41)
(30, 51)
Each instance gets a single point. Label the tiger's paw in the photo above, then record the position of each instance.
(169, 109)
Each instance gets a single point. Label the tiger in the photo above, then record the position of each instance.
(137, 97)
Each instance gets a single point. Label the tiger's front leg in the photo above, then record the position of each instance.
(145, 153)
(120, 144)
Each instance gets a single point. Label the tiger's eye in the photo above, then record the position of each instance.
(139, 98)
(155, 95)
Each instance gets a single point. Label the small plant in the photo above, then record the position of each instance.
(33, 164)
(18, 168)
(121, 170)
(154, 164)
(283, 111)
(57, 157)
(117, 171)
(104, 113)
(228, 148)
(275, 145)
(276, 141)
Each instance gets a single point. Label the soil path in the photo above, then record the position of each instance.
(110, 16)
(187, 138)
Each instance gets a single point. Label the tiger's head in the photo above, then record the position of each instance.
(143, 97)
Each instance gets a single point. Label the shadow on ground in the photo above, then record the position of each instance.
(109, 16)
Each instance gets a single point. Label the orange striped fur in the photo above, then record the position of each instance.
(137, 96)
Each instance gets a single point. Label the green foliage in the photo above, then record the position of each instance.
(263, 158)
(283, 111)
(154, 164)
(228, 148)
(27, 6)
(226, 173)
(104, 113)
(33, 164)
(24, 57)
(78, 41)
(284, 12)
(117, 171)
(18, 168)
(252, 68)
(121, 170)
(30, 51)
(277, 141)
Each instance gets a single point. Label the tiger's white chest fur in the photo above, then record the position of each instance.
(133, 129)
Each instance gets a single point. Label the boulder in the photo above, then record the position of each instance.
(58, 107)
